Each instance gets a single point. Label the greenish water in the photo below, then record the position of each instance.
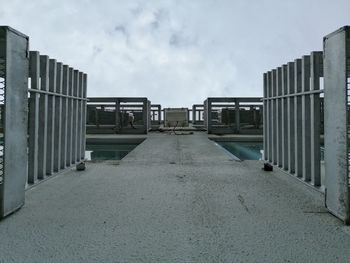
(244, 150)
(109, 151)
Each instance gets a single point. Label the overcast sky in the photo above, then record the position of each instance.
(175, 52)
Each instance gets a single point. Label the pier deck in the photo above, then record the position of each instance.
(175, 198)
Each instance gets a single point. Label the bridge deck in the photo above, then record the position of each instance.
(173, 199)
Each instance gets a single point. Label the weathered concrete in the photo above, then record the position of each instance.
(174, 199)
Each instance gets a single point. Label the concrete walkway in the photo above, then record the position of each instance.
(173, 199)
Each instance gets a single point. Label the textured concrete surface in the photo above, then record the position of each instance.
(174, 199)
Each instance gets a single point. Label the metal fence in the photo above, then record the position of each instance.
(57, 113)
(292, 117)
(225, 115)
(119, 115)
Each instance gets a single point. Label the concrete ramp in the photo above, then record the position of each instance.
(175, 198)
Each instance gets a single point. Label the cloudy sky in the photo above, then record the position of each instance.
(175, 52)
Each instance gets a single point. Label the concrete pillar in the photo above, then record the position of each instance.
(265, 130)
(290, 107)
(336, 122)
(316, 72)
(209, 121)
(80, 117)
(117, 116)
(237, 116)
(75, 117)
(43, 102)
(58, 119)
(298, 120)
(145, 116)
(51, 118)
(269, 117)
(64, 127)
(274, 116)
(193, 114)
(306, 118)
(69, 159)
(84, 116)
(279, 116)
(34, 74)
(284, 113)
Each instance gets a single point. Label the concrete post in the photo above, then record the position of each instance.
(269, 116)
(237, 116)
(306, 118)
(51, 118)
(145, 115)
(64, 129)
(58, 119)
(209, 120)
(284, 111)
(117, 116)
(43, 102)
(290, 107)
(75, 117)
(298, 120)
(274, 117)
(69, 160)
(316, 61)
(34, 74)
(84, 116)
(279, 116)
(80, 117)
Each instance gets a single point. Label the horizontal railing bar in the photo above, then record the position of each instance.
(295, 94)
(56, 94)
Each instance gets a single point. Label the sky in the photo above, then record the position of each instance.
(175, 52)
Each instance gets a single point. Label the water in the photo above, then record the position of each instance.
(108, 151)
(244, 150)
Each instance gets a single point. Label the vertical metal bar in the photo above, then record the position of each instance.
(290, 106)
(64, 130)
(43, 102)
(34, 74)
(51, 118)
(279, 116)
(58, 118)
(274, 118)
(298, 120)
(315, 120)
(265, 118)
(285, 150)
(306, 125)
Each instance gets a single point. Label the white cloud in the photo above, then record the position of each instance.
(176, 52)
